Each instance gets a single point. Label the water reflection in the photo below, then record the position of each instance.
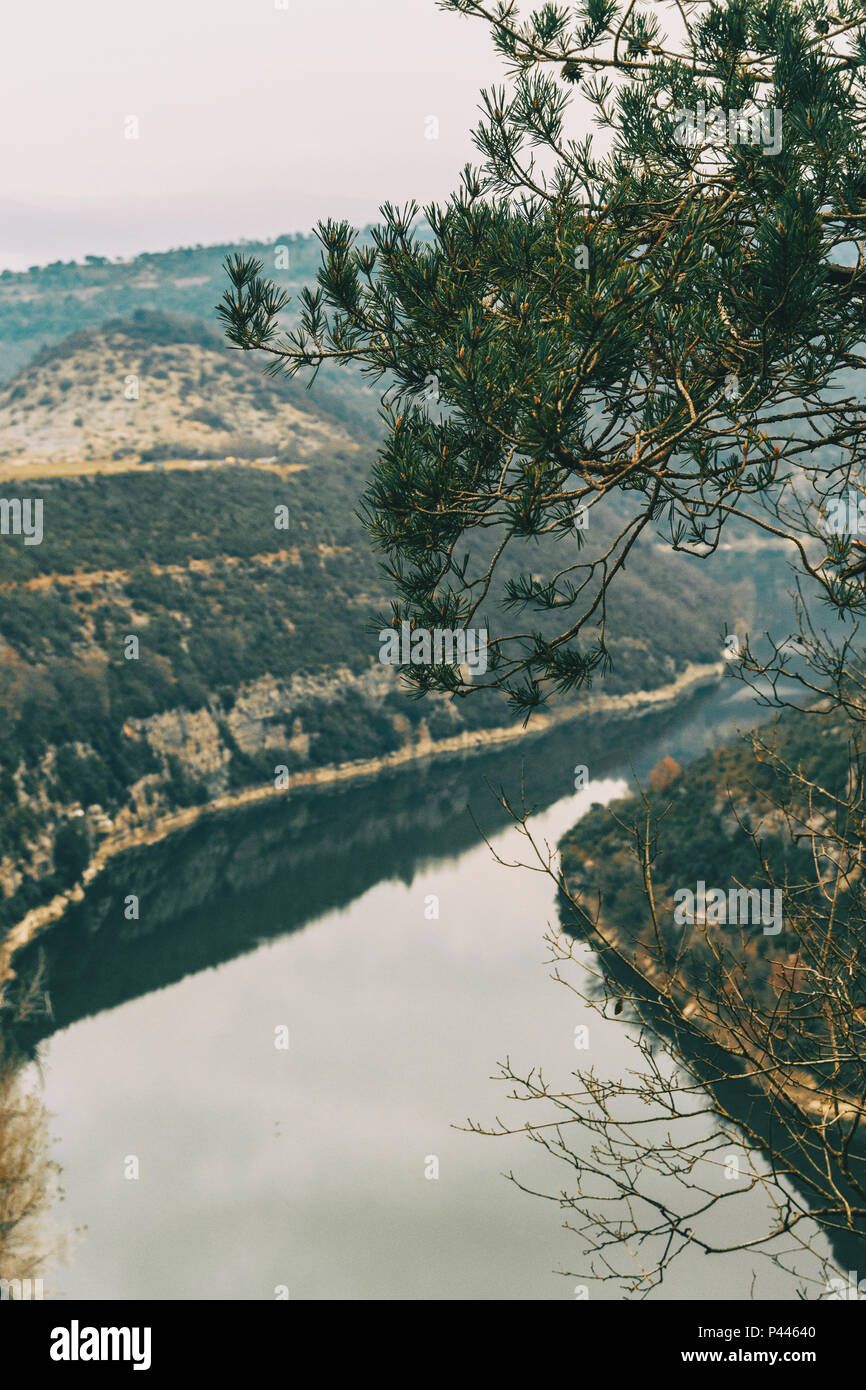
(306, 1168)
(226, 886)
(797, 1158)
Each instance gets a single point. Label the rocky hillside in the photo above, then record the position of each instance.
(154, 388)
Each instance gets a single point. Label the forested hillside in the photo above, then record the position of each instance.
(203, 606)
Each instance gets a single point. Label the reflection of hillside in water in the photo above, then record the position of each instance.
(217, 890)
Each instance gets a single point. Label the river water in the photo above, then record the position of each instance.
(308, 1168)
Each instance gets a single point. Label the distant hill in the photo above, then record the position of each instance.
(156, 387)
(42, 306)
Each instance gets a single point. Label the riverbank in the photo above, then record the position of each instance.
(742, 991)
(781, 1082)
(633, 705)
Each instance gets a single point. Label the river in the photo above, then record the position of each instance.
(201, 1160)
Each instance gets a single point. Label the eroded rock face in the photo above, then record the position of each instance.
(192, 736)
(268, 714)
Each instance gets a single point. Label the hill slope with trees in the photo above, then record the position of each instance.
(244, 579)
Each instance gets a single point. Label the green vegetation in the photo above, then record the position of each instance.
(162, 297)
(669, 322)
(191, 563)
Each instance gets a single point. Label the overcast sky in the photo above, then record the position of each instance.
(253, 120)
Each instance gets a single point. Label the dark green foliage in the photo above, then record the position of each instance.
(582, 326)
(71, 851)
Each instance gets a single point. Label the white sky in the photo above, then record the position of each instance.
(253, 120)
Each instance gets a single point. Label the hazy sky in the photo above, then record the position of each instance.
(253, 120)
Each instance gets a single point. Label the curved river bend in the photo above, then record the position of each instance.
(303, 1168)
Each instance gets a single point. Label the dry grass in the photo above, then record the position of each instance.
(29, 1176)
(71, 413)
(77, 468)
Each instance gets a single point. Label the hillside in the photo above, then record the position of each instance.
(43, 305)
(203, 607)
(154, 388)
(767, 813)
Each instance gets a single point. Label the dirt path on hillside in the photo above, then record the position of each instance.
(92, 579)
(81, 468)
